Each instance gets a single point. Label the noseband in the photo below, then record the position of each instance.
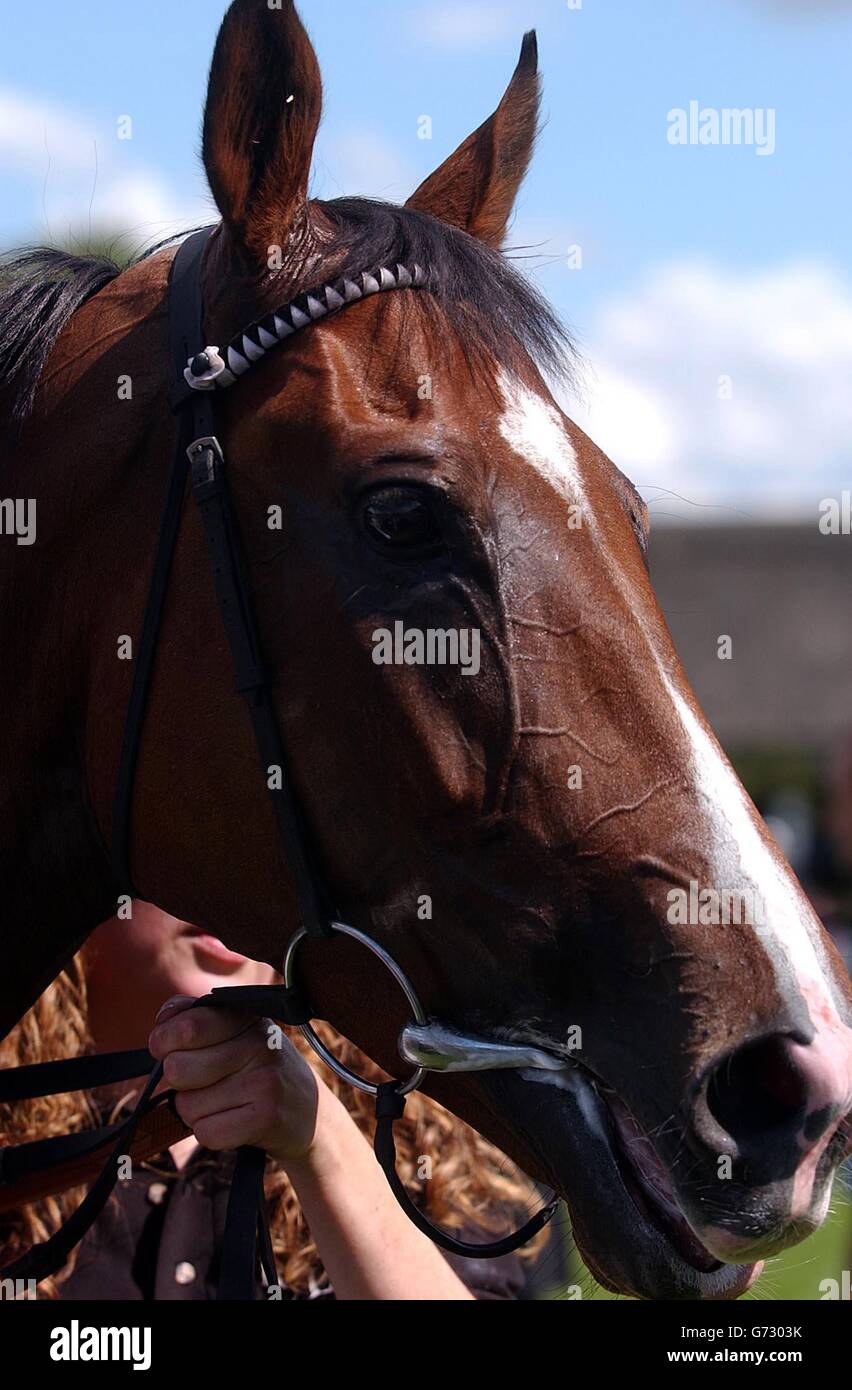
(198, 375)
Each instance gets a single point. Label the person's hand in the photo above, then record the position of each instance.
(238, 1081)
(234, 1089)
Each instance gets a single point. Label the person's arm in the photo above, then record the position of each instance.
(234, 1089)
(368, 1246)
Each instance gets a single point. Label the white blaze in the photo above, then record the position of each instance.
(535, 430)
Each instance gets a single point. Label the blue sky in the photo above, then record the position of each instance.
(714, 302)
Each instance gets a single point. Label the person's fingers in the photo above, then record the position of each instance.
(270, 1107)
(175, 1005)
(184, 1029)
(189, 1070)
(230, 1093)
(227, 1129)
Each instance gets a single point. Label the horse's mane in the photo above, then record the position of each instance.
(40, 290)
(496, 312)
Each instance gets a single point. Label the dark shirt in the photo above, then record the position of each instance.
(160, 1236)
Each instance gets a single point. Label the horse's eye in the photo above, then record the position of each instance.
(400, 521)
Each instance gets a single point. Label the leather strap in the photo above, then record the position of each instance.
(185, 330)
(240, 1245)
(143, 666)
(22, 1182)
(390, 1106)
(75, 1074)
(245, 1217)
(51, 1255)
(195, 411)
(210, 488)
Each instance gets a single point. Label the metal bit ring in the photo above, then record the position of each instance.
(414, 1081)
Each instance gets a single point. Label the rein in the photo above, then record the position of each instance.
(65, 1160)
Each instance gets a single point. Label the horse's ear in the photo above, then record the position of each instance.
(477, 186)
(264, 103)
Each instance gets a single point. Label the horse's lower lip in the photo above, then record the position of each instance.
(627, 1243)
(652, 1197)
(647, 1183)
(659, 1211)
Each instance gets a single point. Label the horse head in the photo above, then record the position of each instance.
(507, 779)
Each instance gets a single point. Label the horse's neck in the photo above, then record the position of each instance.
(54, 879)
(63, 602)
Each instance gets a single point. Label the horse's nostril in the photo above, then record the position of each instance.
(773, 1106)
(760, 1090)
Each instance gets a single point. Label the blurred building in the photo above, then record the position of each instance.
(783, 594)
(782, 704)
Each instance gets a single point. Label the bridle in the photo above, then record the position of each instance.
(198, 375)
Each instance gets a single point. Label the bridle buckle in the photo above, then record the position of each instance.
(206, 459)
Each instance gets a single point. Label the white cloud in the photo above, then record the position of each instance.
(364, 162)
(784, 338)
(466, 25)
(145, 208)
(35, 134)
(77, 174)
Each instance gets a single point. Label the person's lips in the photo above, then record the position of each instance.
(213, 949)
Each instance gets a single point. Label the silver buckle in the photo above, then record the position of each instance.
(204, 455)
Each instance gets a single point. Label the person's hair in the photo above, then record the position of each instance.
(470, 1184)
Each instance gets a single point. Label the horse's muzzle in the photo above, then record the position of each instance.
(768, 1126)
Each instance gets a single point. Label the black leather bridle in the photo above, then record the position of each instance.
(198, 374)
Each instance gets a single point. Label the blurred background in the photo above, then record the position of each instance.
(709, 287)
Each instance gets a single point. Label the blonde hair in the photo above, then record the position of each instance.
(472, 1185)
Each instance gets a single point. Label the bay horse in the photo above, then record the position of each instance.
(517, 838)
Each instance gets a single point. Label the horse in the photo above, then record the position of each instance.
(529, 839)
